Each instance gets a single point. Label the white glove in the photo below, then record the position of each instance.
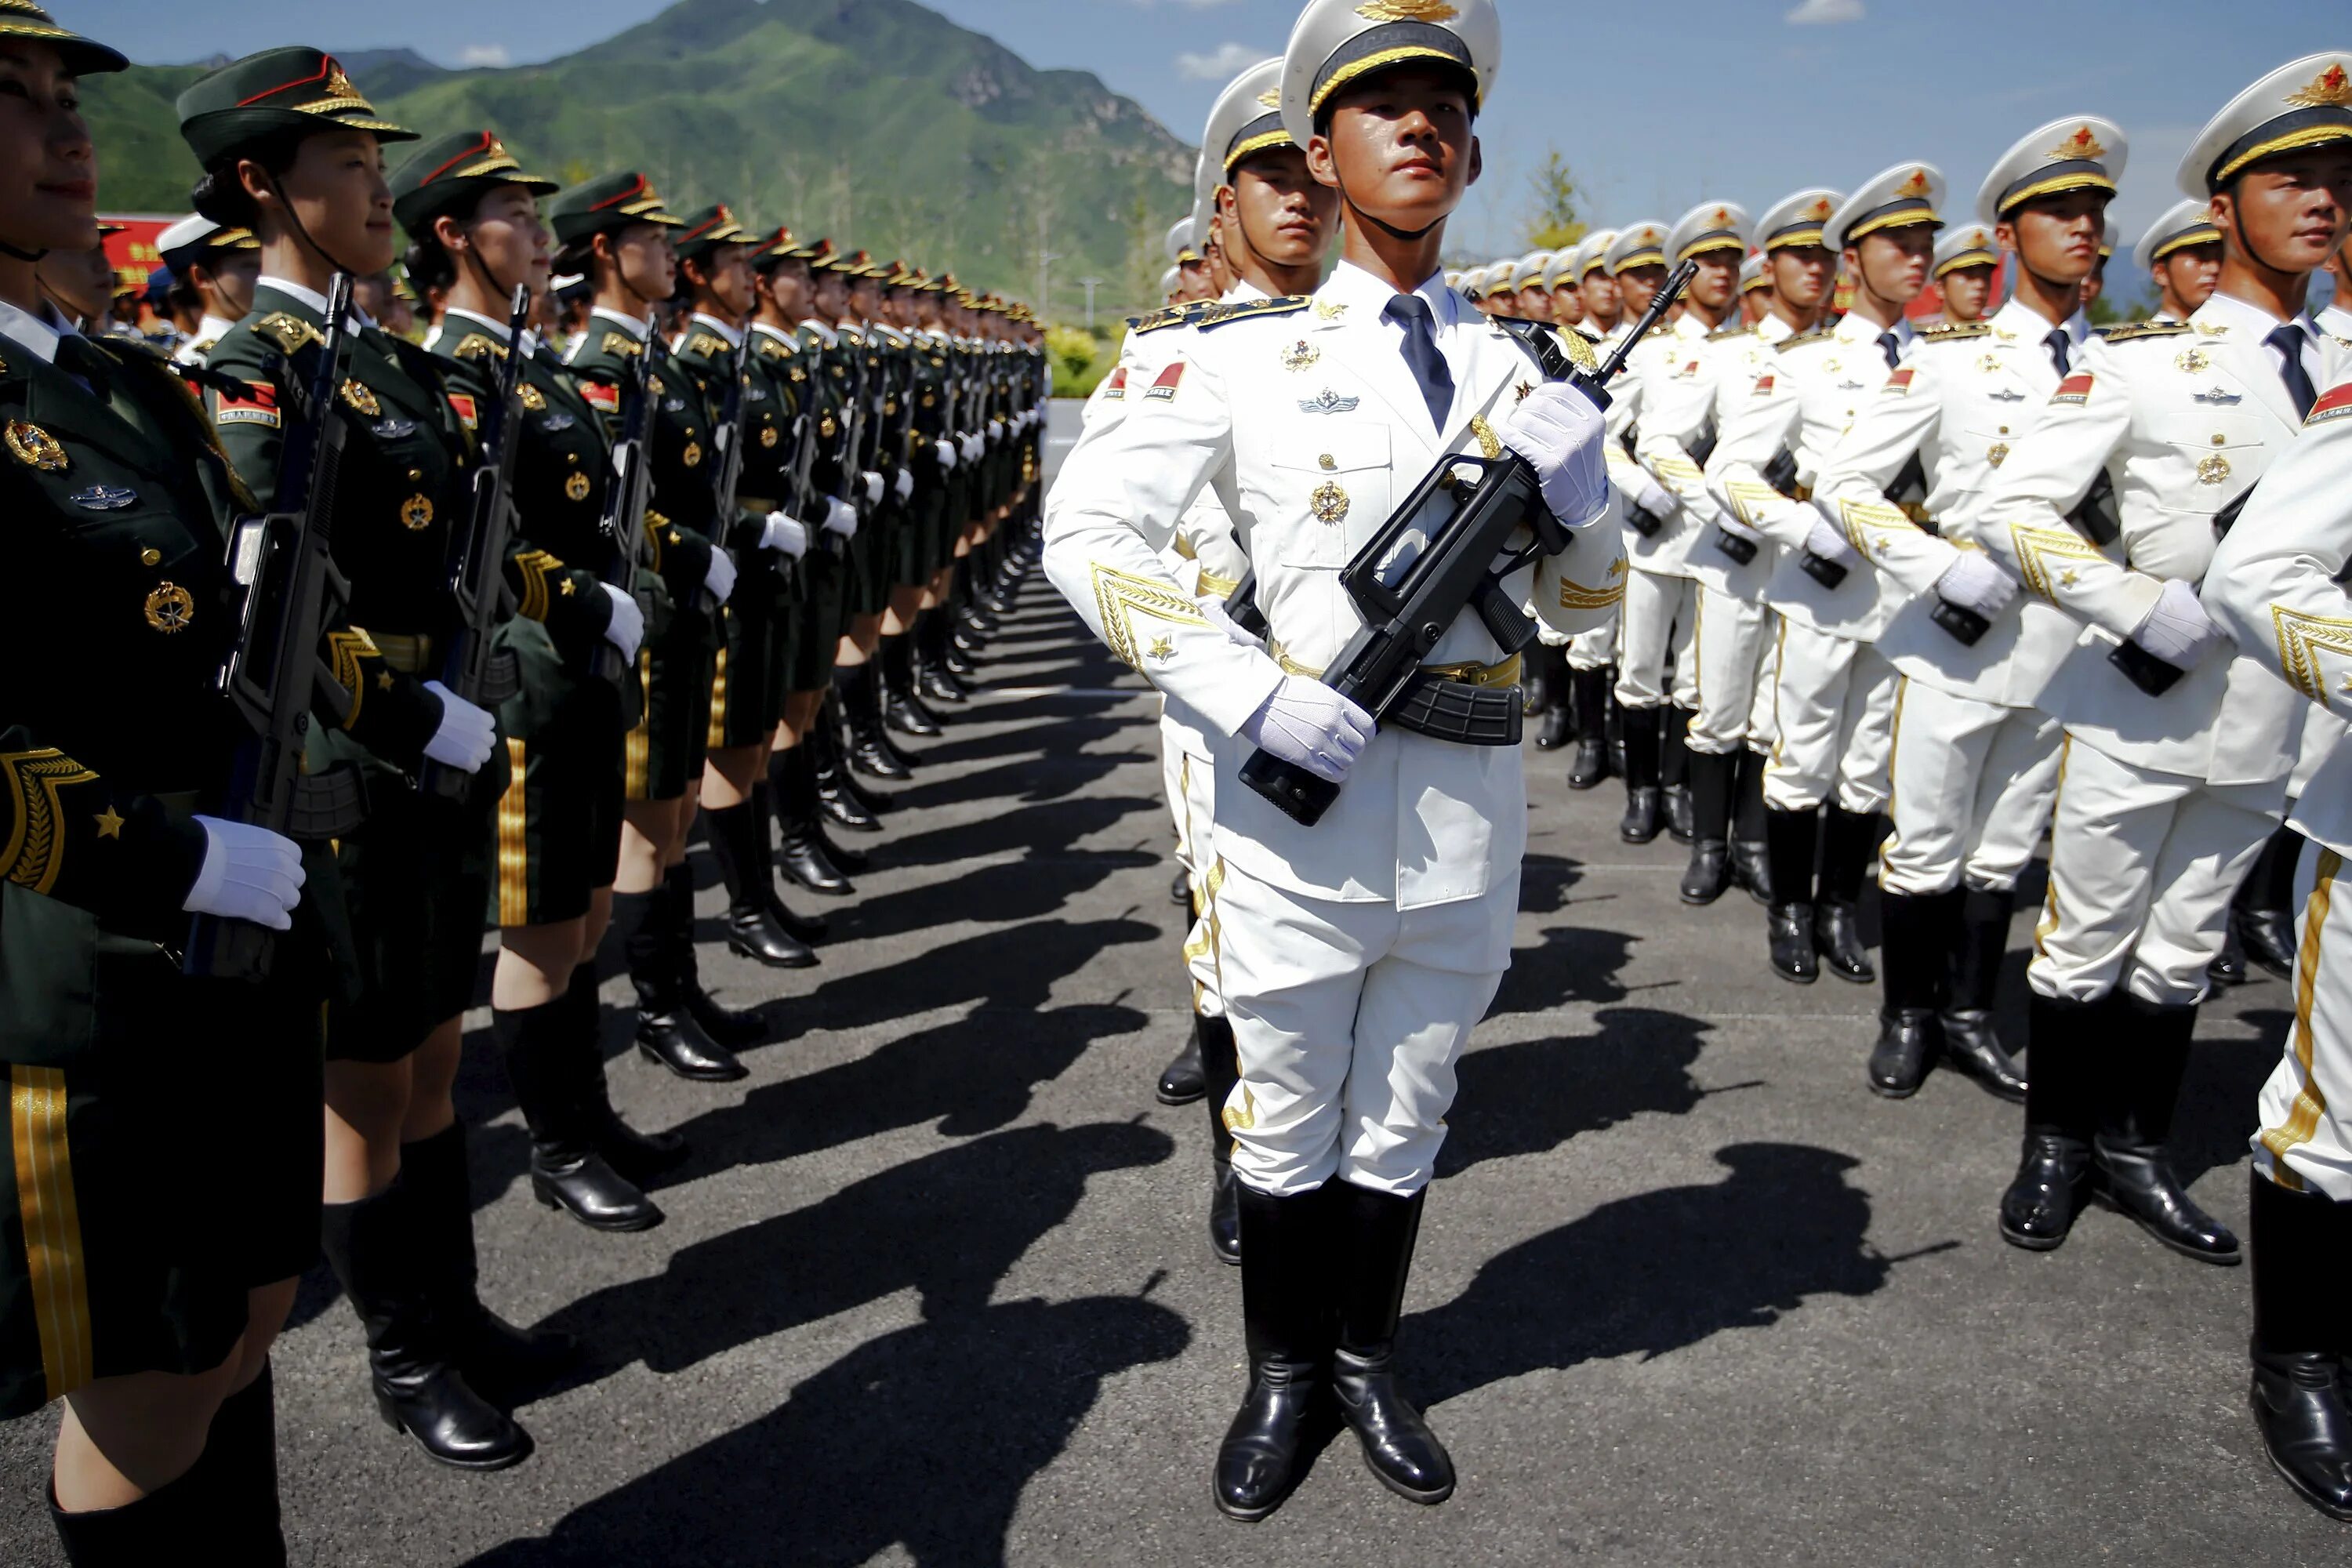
(1973, 583)
(2178, 630)
(973, 448)
(718, 577)
(1828, 542)
(1308, 725)
(904, 483)
(784, 535)
(945, 451)
(1559, 432)
(1655, 499)
(1729, 523)
(466, 732)
(249, 874)
(996, 430)
(873, 487)
(1214, 611)
(626, 629)
(840, 517)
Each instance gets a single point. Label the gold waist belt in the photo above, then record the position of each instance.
(1470, 672)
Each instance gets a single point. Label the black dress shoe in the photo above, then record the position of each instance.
(1588, 768)
(1679, 818)
(1751, 868)
(1645, 814)
(1709, 873)
(1182, 1081)
(756, 934)
(2048, 1192)
(2229, 965)
(2300, 1409)
(2267, 938)
(1789, 935)
(676, 1041)
(1225, 1214)
(800, 855)
(1971, 1044)
(1179, 891)
(1906, 1046)
(1840, 943)
(1557, 725)
(581, 1184)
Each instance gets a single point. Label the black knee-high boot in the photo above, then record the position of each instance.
(1751, 867)
(237, 1472)
(797, 760)
(2147, 1058)
(837, 789)
(1673, 770)
(558, 1080)
(638, 1156)
(1287, 1322)
(1789, 840)
(803, 852)
(937, 682)
(1644, 813)
(2067, 1044)
(1972, 1040)
(1846, 850)
(737, 838)
(1589, 703)
(500, 1361)
(731, 1028)
(902, 705)
(666, 1031)
(1220, 1070)
(158, 1528)
(1372, 1259)
(1711, 778)
(2302, 1244)
(2262, 915)
(870, 752)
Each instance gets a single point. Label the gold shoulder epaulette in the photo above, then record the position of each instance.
(289, 333)
(1720, 333)
(1218, 314)
(1955, 331)
(709, 345)
(771, 348)
(620, 343)
(480, 345)
(2126, 332)
(1816, 335)
(1166, 316)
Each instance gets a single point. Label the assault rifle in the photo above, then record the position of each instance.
(272, 674)
(1436, 555)
(624, 522)
(729, 432)
(478, 558)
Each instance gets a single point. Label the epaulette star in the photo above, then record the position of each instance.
(1816, 335)
(1954, 332)
(480, 345)
(620, 343)
(289, 332)
(1218, 314)
(2124, 332)
(1720, 333)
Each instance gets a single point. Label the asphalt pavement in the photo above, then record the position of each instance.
(935, 1288)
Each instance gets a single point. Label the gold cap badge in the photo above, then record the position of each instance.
(2082, 144)
(2330, 89)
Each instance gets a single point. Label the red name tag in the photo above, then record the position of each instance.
(2074, 389)
(1114, 389)
(258, 405)
(1764, 384)
(2334, 404)
(464, 405)
(1900, 381)
(1164, 389)
(602, 396)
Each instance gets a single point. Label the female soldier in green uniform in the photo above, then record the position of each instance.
(291, 151)
(150, 1314)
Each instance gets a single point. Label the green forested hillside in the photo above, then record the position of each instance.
(879, 122)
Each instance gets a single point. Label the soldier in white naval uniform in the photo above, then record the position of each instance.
(1965, 259)
(1834, 697)
(2279, 584)
(2181, 255)
(2177, 750)
(1974, 764)
(1356, 955)
(1593, 655)
(221, 264)
(1755, 290)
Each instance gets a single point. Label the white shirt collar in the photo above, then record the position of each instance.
(826, 334)
(734, 339)
(39, 334)
(632, 325)
(210, 329)
(2016, 316)
(310, 297)
(2245, 319)
(1243, 291)
(1352, 285)
(782, 334)
(1854, 327)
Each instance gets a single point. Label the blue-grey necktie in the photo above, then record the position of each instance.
(2288, 340)
(1430, 372)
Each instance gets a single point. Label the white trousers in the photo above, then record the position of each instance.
(1972, 785)
(1832, 718)
(1659, 617)
(2142, 867)
(1191, 784)
(1727, 651)
(1348, 1018)
(2306, 1106)
(1595, 649)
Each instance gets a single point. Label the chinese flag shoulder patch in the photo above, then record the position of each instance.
(1164, 389)
(1763, 387)
(1114, 389)
(257, 404)
(1900, 381)
(464, 404)
(2335, 403)
(602, 395)
(2074, 389)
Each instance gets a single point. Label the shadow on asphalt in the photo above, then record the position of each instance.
(1638, 1063)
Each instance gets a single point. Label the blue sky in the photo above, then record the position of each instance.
(1655, 108)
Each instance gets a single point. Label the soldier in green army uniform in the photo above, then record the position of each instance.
(472, 214)
(291, 151)
(715, 253)
(945, 486)
(614, 231)
(913, 490)
(149, 1314)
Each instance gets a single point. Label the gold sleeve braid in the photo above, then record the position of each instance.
(536, 566)
(1120, 595)
(2038, 547)
(33, 852)
(347, 652)
(2302, 638)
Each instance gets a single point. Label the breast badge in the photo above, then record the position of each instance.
(692, 455)
(1329, 503)
(104, 498)
(1300, 355)
(575, 487)
(2212, 469)
(34, 447)
(416, 513)
(170, 608)
(361, 399)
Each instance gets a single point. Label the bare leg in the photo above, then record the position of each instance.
(124, 1437)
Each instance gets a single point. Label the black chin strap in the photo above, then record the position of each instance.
(295, 219)
(1407, 235)
(2246, 247)
(8, 249)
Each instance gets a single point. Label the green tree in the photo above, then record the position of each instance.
(1553, 223)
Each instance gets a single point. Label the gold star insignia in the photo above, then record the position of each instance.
(110, 826)
(2068, 578)
(1163, 648)
(1522, 390)
(383, 680)
(566, 589)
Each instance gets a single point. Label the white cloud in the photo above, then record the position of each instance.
(483, 55)
(1229, 60)
(1809, 12)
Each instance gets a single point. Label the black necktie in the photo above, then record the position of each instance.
(2288, 340)
(2061, 350)
(1890, 348)
(1429, 368)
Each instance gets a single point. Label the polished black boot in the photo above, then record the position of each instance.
(1846, 849)
(2067, 1042)
(737, 843)
(501, 1361)
(1180, 1080)
(1285, 1286)
(2302, 1245)
(665, 1032)
(2147, 1058)
(1588, 695)
(637, 1155)
(1709, 871)
(810, 929)
(902, 710)
(1536, 692)
(548, 1069)
(1972, 1040)
(373, 1246)
(1179, 891)
(801, 849)
(730, 1027)
(1613, 725)
(237, 1476)
(1220, 1070)
(1789, 840)
(1751, 867)
(1645, 812)
(2262, 915)
(837, 792)
(870, 752)
(1674, 771)
(932, 676)
(1918, 931)
(2229, 965)
(1372, 1255)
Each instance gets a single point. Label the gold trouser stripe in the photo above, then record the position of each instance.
(52, 1221)
(2310, 1102)
(636, 752)
(514, 842)
(1779, 672)
(2050, 898)
(1894, 750)
(718, 733)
